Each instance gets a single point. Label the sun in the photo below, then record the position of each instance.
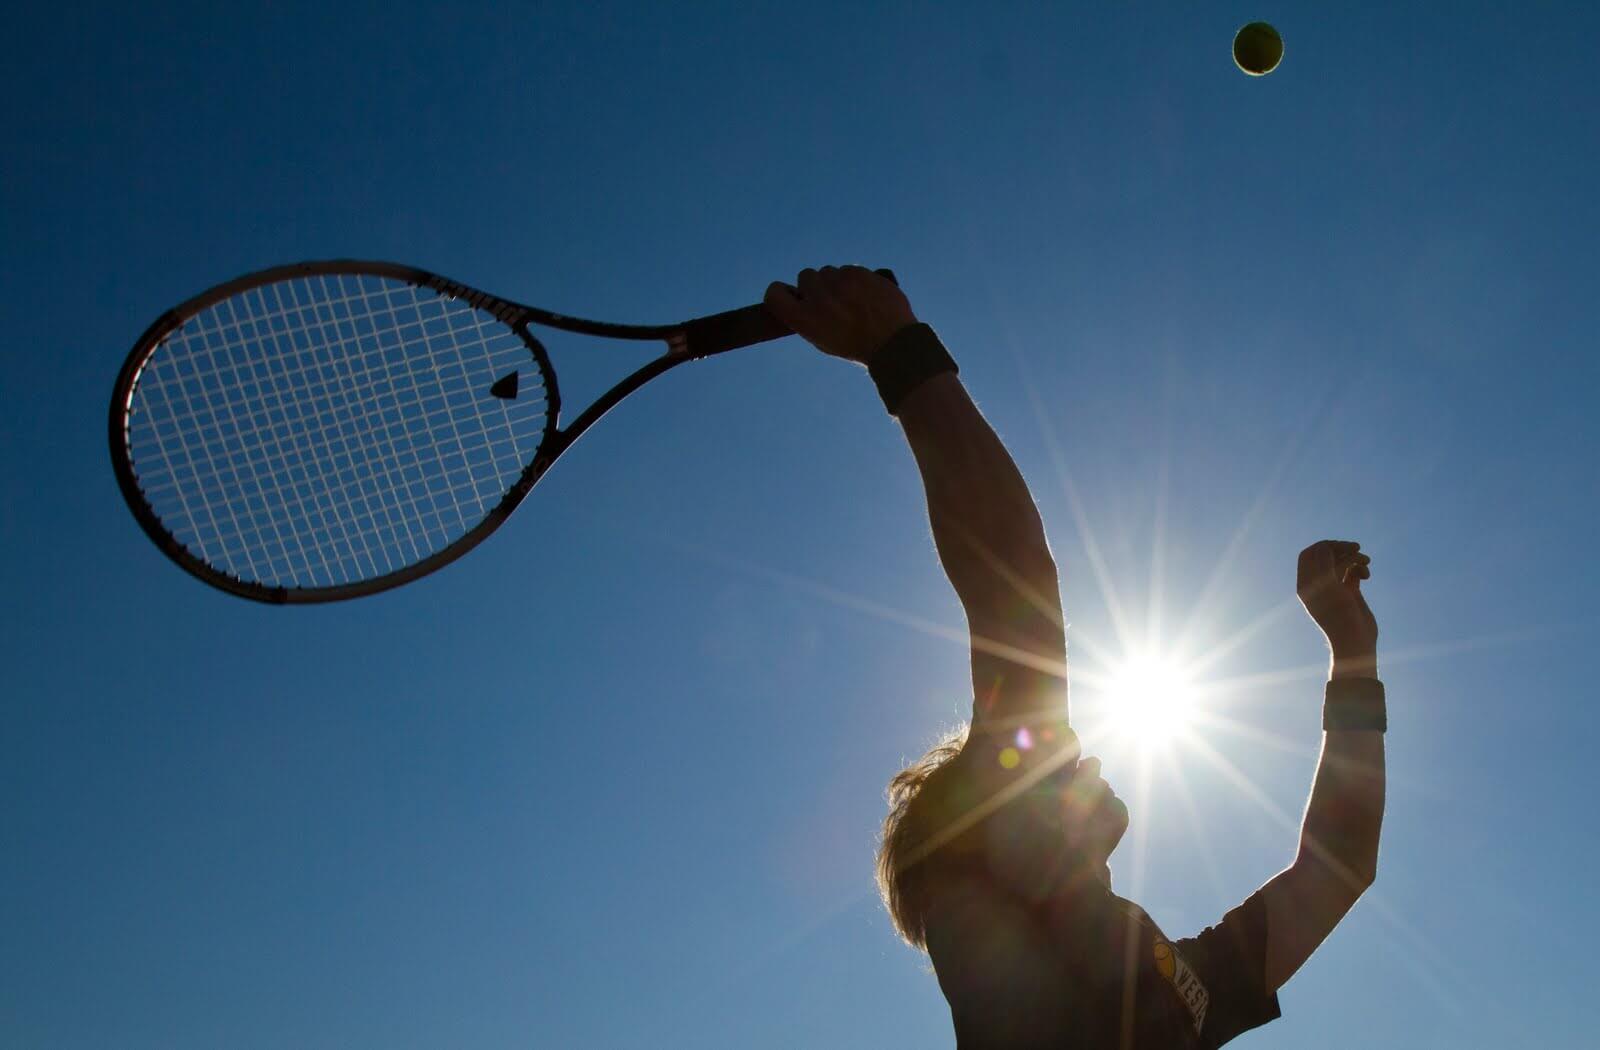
(1151, 702)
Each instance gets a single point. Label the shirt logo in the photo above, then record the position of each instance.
(1179, 974)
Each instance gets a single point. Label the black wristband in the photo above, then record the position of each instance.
(911, 357)
(1354, 703)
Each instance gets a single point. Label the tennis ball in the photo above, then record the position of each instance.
(1257, 49)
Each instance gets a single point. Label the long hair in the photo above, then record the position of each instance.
(942, 818)
(920, 834)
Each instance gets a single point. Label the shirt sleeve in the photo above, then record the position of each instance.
(1230, 959)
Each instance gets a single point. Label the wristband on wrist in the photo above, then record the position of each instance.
(911, 357)
(1354, 703)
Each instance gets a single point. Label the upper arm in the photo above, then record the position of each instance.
(1020, 731)
(1304, 902)
(1019, 656)
(1230, 959)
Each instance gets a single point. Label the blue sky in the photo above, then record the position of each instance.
(614, 779)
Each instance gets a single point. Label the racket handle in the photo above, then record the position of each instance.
(734, 329)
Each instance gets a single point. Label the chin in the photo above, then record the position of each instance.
(1115, 816)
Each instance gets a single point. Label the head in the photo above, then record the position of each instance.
(945, 812)
(1093, 818)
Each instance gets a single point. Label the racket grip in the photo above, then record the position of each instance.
(734, 329)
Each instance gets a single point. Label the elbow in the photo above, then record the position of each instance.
(1035, 567)
(1026, 557)
(1363, 868)
(1020, 575)
(1348, 874)
(1009, 538)
(1360, 880)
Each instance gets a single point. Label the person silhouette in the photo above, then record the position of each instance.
(994, 857)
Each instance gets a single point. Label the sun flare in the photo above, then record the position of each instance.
(1152, 702)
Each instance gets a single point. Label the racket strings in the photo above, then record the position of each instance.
(332, 443)
(207, 418)
(328, 429)
(335, 444)
(265, 389)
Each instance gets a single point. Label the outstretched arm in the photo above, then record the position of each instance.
(985, 525)
(992, 545)
(1338, 855)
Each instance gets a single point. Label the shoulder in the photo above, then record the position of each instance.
(1238, 940)
(976, 931)
(1005, 979)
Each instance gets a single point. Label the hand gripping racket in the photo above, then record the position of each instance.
(328, 430)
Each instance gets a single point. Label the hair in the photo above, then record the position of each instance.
(921, 834)
(939, 823)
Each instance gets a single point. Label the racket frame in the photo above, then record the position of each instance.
(686, 341)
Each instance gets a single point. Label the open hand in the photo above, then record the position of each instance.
(845, 311)
(1329, 585)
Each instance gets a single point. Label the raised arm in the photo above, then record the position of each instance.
(987, 531)
(1338, 855)
(992, 545)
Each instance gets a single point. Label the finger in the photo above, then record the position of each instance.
(844, 292)
(786, 305)
(855, 276)
(1325, 562)
(1356, 567)
(828, 278)
(1341, 554)
(1316, 562)
(781, 296)
(1317, 556)
(818, 298)
(783, 300)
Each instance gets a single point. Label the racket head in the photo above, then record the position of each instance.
(328, 430)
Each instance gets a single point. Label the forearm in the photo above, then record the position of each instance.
(1338, 855)
(1344, 816)
(985, 525)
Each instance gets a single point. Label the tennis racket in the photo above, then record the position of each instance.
(328, 430)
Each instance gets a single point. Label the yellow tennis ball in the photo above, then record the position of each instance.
(1257, 49)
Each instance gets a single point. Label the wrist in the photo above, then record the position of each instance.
(1354, 704)
(910, 358)
(1361, 664)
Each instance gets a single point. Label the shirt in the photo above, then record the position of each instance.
(1094, 972)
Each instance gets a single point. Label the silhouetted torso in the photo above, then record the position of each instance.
(1095, 972)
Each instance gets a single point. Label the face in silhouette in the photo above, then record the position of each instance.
(1093, 818)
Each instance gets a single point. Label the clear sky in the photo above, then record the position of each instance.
(614, 779)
